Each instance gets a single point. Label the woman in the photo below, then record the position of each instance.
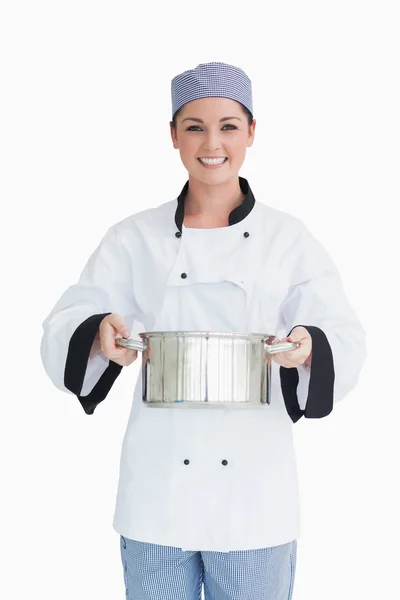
(209, 496)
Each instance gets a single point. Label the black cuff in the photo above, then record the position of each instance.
(77, 359)
(322, 376)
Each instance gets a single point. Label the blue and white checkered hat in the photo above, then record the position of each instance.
(210, 80)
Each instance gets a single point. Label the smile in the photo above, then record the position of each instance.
(212, 162)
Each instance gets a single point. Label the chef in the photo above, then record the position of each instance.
(209, 496)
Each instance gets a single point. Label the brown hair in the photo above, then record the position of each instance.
(244, 108)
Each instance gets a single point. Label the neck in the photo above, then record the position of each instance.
(214, 200)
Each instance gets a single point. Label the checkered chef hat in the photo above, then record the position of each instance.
(210, 80)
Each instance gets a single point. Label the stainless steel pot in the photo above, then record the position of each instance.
(206, 369)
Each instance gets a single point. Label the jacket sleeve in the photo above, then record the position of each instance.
(317, 301)
(104, 287)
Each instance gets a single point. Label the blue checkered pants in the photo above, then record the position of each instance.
(153, 572)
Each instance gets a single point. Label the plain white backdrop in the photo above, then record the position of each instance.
(85, 110)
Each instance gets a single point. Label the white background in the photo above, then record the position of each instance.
(85, 107)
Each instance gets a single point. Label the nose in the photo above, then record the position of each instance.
(212, 141)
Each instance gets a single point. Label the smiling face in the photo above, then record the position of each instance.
(212, 128)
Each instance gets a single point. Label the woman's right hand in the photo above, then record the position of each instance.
(110, 328)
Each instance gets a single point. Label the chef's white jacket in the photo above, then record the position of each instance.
(210, 479)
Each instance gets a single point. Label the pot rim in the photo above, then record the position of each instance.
(205, 334)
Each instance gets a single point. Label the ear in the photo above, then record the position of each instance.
(252, 132)
(173, 136)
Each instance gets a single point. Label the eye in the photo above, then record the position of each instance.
(196, 127)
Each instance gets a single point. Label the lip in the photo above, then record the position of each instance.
(212, 166)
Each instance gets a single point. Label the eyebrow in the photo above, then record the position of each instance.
(200, 121)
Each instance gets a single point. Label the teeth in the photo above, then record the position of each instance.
(212, 161)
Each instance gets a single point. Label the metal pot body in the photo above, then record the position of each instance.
(206, 369)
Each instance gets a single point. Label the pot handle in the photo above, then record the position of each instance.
(281, 347)
(131, 344)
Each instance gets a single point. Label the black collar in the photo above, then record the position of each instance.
(236, 215)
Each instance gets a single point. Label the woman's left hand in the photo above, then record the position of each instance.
(301, 355)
